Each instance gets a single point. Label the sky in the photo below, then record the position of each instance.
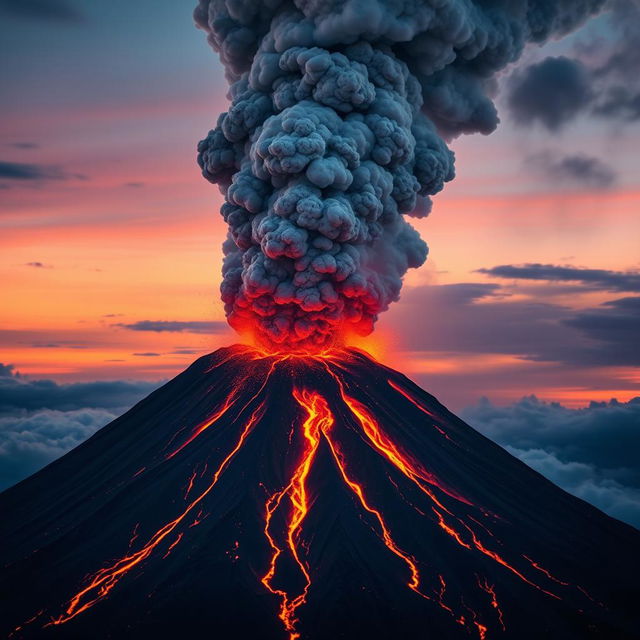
(110, 238)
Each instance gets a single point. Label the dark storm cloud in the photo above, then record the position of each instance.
(602, 278)
(614, 327)
(590, 452)
(174, 326)
(42, 10)
(577, 169)
(617, 77)
(602, 79)
(29, 172)
(466, 318)
(550, 92)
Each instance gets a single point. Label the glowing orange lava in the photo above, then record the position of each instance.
(417, 473)
(489, 589)
(318, 415)
(206, 424)
(414, 581)
(403, 462)
(414, 402)
(535, 565)
(104, 580)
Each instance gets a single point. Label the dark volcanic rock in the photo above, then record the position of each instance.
(407, 522)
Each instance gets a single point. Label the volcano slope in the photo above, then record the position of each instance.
(282, 497)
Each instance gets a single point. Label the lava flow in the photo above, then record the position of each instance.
(346, 511)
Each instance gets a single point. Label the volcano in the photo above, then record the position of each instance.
(314, 497)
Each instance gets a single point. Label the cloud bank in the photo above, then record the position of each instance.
(31, 172)
(40, 420)
(591, 452)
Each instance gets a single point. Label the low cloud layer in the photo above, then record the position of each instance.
(31, 440)
(6, 370)
(590, 452)
(40, 420)
(20, 394)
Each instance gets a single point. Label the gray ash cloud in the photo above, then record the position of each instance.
(336, 133)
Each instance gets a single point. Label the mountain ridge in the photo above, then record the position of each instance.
(404, 523)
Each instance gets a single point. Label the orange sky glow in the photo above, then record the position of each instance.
(133, 234)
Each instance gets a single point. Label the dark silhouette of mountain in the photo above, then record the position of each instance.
(276, 497)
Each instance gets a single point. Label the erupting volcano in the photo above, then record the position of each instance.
(285, 496)
(300, 489)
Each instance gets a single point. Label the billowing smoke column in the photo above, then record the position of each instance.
(339, 111)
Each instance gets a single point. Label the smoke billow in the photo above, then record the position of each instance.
(336, 132)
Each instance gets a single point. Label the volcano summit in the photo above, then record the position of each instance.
(283, 497)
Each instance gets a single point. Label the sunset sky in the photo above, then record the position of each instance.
(110, 238)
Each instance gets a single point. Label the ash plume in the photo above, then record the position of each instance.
(340, 112)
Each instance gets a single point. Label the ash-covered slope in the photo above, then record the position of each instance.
(275, 498)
